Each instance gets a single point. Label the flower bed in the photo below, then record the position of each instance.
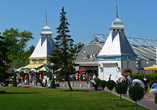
(27, 86)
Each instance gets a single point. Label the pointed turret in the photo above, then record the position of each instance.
(43, 49)
(117, 53)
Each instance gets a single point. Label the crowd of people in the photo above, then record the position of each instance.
(31, 78)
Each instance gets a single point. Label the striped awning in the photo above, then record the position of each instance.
(33, 65)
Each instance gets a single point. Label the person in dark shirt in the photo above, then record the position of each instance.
(146, 82)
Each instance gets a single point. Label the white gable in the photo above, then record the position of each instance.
(43, 48)
(117, 43)
(45, 44)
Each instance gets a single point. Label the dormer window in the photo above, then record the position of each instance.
(114, 30)
(122, 30)
(117, 30)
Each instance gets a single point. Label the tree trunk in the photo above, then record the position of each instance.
(120, 100)
(110, 94)
(103, 92)
(69, 83)
(135, 105)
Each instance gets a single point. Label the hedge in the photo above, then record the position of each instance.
(149, 76)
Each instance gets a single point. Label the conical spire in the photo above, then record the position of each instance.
(116, 10)
(46, 17)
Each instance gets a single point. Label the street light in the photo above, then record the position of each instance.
(128, 59)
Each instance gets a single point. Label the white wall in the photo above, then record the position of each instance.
(109, 66)
(132, 65)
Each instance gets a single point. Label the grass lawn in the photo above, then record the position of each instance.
(19, 98)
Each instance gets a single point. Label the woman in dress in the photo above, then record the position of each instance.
(146, 82)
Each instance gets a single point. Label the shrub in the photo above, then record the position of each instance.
(150, 83)
(156, 98)
(136, 93)
(121, 88)
(103, 85)
(97, 81)
(14, 81)
(110, 85)
(53, 82)
(149, 76)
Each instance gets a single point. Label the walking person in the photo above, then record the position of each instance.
(109, 77)
(154, 86)
(130, 79)
(25, 79)
(76, 76)
(125, 80)
(146, 83)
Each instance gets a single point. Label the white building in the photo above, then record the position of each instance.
(114, 54)
(42, 51)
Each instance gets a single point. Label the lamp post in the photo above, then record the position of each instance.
(128, 59)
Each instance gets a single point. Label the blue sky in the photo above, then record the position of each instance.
(85, 17)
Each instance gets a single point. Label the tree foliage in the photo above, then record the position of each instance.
(121, 88)
(136, 93)
(14, 81)
(110, 85)
(53, 83)
(16, 42)
(78, 47)
(63, 55)
(103, 85)
(97, 81)
(3, 60)
(156, 98)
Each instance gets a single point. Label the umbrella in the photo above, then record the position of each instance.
(43, 69)
(138, 82)
(19, 70)
(154, 67)
(32, 69)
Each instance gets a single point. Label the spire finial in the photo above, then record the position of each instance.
(116, 10)
(46, 17)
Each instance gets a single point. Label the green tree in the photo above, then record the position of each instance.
(27, 53)
(98, 83)
(110, 85)
(63, 56)
(136, 93)
(103, 85)
(121, 88)
(14, 81)
(95, 39)
(156, 98)
(16, 42)
(53, 83)
(3, 60)
(78, 47)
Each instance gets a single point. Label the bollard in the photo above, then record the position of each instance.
(10, 85)
(72, 84)
(64, 84)
(89, 85)
(81, 85)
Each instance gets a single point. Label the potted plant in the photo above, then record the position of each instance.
(127, 70)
